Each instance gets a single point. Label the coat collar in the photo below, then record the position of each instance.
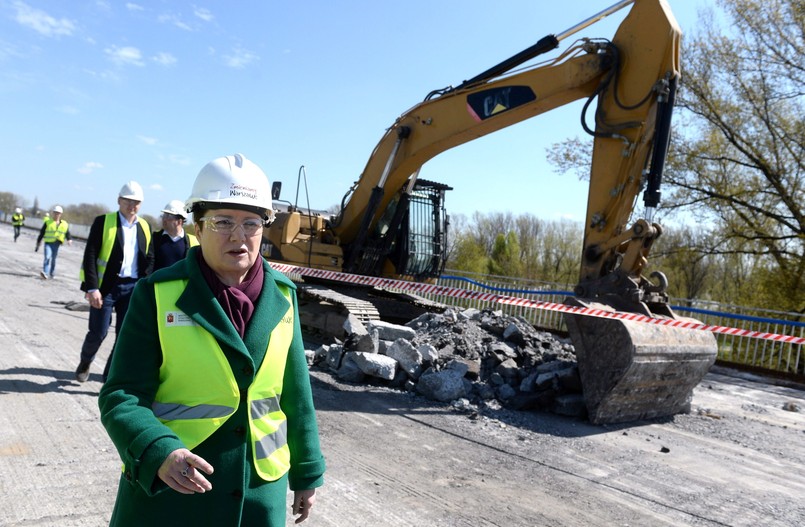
(198, 302)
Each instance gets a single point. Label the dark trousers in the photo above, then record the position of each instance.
(16, 232)
(100, 320)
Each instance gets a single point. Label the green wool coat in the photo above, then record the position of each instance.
(238, 496)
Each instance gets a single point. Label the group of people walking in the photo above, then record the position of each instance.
(206, 393)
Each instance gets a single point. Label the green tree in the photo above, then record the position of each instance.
(505, 257)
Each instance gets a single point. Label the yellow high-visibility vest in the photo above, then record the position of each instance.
(198, 392)
(17, 220)
(108, 241)
(55, 232)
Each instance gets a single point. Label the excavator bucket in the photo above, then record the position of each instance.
(633, 370)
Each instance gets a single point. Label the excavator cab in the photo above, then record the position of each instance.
(409, 239)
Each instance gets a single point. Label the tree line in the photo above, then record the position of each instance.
(81, 214)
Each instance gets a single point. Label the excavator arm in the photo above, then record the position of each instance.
(628, 371)
(632, 78)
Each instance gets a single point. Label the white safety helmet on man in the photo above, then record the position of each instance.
(57, 209)
(231, 182)
(131, 190)
(17, 210)
(175, 207)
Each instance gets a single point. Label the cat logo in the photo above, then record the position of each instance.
(287, 319)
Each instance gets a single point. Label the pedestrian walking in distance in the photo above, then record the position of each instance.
(172, 242)
(54, 232)
(208, 400)
(117, 254)
(17, 221)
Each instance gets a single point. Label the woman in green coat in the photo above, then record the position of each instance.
(208, 399)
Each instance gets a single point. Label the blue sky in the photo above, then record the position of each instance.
(95, 93)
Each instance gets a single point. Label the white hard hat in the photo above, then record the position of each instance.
(175, 207)
(232, 180)
(58, 209)
(18, 210)
(131, 190)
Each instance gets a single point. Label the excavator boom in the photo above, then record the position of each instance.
(628, 373)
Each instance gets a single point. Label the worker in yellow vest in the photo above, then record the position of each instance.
(17, 221)
(117, 254)
(209, 387)
(54, 232)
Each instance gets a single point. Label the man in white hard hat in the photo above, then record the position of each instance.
(172, 242)
(17, 220)
(118, 253)
(55, 231)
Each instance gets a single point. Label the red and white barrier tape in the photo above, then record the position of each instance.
(419, 287)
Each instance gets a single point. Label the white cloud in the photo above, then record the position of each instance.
(131, 6)
(240, 58)
(41, 22)
(203, 14)
(175, 20)
(150, 141)
(164, 59)
(90, 167)
(155, 186)
(125, 55)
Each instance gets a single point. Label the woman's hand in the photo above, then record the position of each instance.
(303, 500)
(182, 471)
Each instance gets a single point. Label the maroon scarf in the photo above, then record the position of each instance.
(237, 300)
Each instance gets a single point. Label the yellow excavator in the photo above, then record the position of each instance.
(393, 224)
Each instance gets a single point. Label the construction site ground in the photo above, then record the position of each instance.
(393, 458)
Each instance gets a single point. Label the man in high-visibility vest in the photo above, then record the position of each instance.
(17, 220)
(55, 231)
(118, 253)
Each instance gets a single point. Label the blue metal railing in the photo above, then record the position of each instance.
(760, 353)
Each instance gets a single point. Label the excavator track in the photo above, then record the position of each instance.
(362, 309)
(328, 304)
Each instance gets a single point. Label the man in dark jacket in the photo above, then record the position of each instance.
(172, 242)
(118, 253)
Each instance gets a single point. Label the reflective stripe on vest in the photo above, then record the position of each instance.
(54, 232)
(198, 391)
(108, 241)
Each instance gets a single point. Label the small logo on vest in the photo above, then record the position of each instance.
(287, 319)
(177, 319)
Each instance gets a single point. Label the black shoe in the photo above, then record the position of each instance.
(82, 372)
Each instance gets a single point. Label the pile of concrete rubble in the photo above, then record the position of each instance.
(468, 357)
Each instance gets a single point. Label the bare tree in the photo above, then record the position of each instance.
(739, 159)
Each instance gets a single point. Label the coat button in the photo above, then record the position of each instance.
(237, 493)
(127, 475)
(248, 370)
(240, 430)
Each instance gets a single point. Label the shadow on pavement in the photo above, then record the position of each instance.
(60, 381)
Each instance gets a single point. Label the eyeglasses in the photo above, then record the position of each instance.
(227, 226)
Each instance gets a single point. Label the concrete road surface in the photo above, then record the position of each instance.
(396, 459)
